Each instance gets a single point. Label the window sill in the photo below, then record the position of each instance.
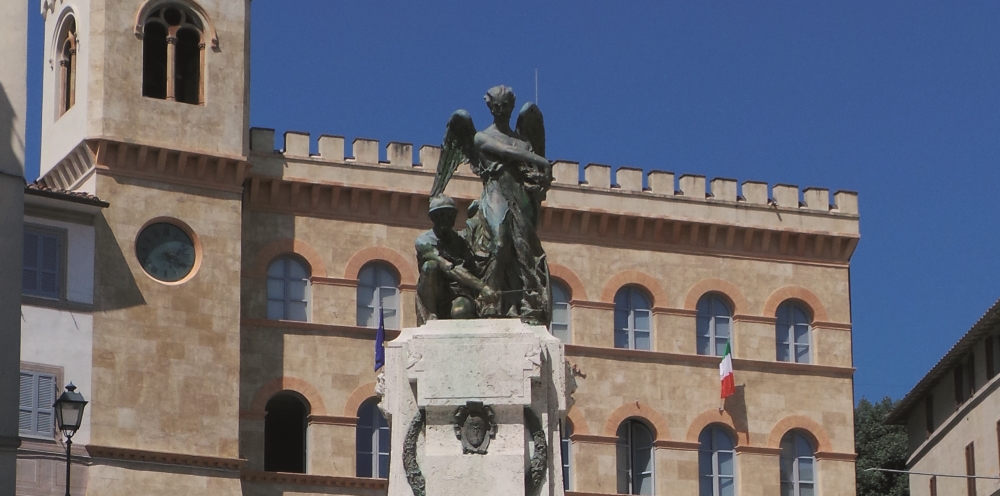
(72, 306)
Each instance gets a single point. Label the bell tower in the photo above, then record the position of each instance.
(166, 73)
(146, 106)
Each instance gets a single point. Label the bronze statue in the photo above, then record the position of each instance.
(447, 288)
(502, 239)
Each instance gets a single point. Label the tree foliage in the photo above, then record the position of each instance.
(879, 446)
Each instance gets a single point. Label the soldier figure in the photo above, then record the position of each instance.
(449, 287)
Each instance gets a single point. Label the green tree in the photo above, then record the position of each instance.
(879, 446)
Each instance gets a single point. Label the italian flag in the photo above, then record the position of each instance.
(726, 373)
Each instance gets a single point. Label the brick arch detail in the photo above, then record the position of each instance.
(575, 417)
(726, 289)
(802, 423)
(288, 246)
(637, 410)
(361, 394)
(287, 383)
(796, 293)
(568, 277)
(634, 277)
(714, 416)
(407, 273)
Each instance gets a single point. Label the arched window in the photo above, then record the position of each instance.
(715, 324)
(67, 64)
(287, 290)
(633, 319)
(285, 434)
(798, 476)
(372, 441)
(560, 312)
(173, 55)
(635, 458)
(793, 333)
(716, 463)
(566, 430)
(378, 290)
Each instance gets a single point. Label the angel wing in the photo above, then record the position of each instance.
(458, 146)
(531, 127)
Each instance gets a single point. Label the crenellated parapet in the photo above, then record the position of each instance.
(621, 205)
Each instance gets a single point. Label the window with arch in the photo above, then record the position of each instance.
(633, 319)
(565, 431)
(285, 434)
(714, 325)
(288, 289)
(635, 458)
(793, 333)
(560, 312)
(67, 44)
(372, 441)
(173, 55)
(798, 461)
(716, 462)
(378, 291)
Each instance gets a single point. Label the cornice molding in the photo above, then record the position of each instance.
(320, 329)
(181, 167)
(840, 457)
(676, 445)
(313, 480)
(708, 361)
(370, 204)
(332, 420)
(758, 450)
(182, 459)
(592, 439)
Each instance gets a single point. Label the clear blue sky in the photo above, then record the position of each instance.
(894, 99)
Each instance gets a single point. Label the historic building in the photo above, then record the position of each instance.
(226, 337)
(952, 417)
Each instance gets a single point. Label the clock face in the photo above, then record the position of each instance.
(165, 251)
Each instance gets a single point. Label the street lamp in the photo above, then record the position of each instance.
(69, 414)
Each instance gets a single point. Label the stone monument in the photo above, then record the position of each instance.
(475, 395)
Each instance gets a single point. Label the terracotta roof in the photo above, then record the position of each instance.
(41, 189)
(989, 321)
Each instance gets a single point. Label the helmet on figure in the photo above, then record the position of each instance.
(441, 202)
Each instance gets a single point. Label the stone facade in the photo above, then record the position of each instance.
(951, 416)
(182, 373)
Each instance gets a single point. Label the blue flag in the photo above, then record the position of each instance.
(380, 342)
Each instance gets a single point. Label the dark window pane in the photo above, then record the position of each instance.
(154, 61)
(188, 66)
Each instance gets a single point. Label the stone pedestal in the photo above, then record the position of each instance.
(474, 407)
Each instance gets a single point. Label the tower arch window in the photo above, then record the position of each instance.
(285, 434)
(288, 289)
(793, 333)
(716, 463)
(173, 55)
(372, 441)
(633, 319)
(560, 325)
(798, 461)
(714, 325)
(67, 49)
(634, 458)
(378, 291)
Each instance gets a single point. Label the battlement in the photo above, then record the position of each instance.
(566, 173)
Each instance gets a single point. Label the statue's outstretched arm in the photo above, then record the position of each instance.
(497, 148)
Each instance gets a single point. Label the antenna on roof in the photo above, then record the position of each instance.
(536, 86)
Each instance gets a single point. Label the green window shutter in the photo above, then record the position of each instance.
(36, 416)
(25, 413)
(45, 413)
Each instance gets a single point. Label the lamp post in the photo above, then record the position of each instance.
(69, 414)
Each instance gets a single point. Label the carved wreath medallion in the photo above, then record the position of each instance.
(475, 426)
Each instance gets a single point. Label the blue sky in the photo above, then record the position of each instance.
(896, 100)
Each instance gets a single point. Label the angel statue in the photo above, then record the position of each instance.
(502, 232)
